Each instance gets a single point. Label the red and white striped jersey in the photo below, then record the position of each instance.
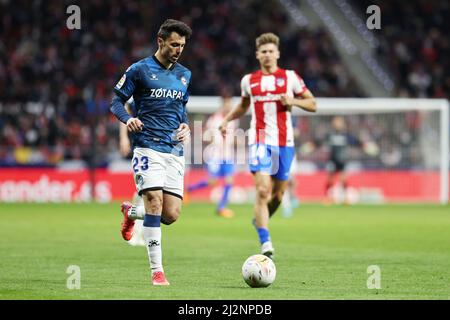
(271, 122)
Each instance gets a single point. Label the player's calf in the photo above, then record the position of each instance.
(170, 213)
(275, 201)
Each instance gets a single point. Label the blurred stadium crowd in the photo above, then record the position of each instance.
(56, 83)
(415, 45)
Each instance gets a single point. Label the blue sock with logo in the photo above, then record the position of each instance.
(152, 236)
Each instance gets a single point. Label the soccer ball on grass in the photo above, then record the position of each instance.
(259, 271)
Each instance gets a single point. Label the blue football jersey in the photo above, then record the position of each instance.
(160, 97)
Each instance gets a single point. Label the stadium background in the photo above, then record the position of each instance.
(56, 83)
(58, 138)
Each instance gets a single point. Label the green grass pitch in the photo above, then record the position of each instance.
(322, 252)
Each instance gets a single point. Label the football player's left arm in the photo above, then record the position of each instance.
(183, 132)
(123, 91)
(305, 100)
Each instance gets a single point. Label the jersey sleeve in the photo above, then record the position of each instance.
(127, 84)
(245, 86)
(132, 105)
(185, 118)
(186, 98)
(297, 84)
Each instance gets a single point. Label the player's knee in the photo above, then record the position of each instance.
(154, 200)
(263, 192)
(170, 216)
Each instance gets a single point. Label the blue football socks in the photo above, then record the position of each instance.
(224, 201)
(198, 185)
(263, 234)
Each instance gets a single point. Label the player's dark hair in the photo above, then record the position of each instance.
(171, 25)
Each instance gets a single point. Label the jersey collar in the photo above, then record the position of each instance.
(161, 65)
(271, 73)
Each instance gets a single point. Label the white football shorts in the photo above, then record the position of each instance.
(155, 170)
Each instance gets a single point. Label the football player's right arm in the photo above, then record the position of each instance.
(124, 89)
(236, 113)
(241, 108)
(208, 130)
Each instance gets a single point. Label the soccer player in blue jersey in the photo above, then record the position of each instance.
(159, 86)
